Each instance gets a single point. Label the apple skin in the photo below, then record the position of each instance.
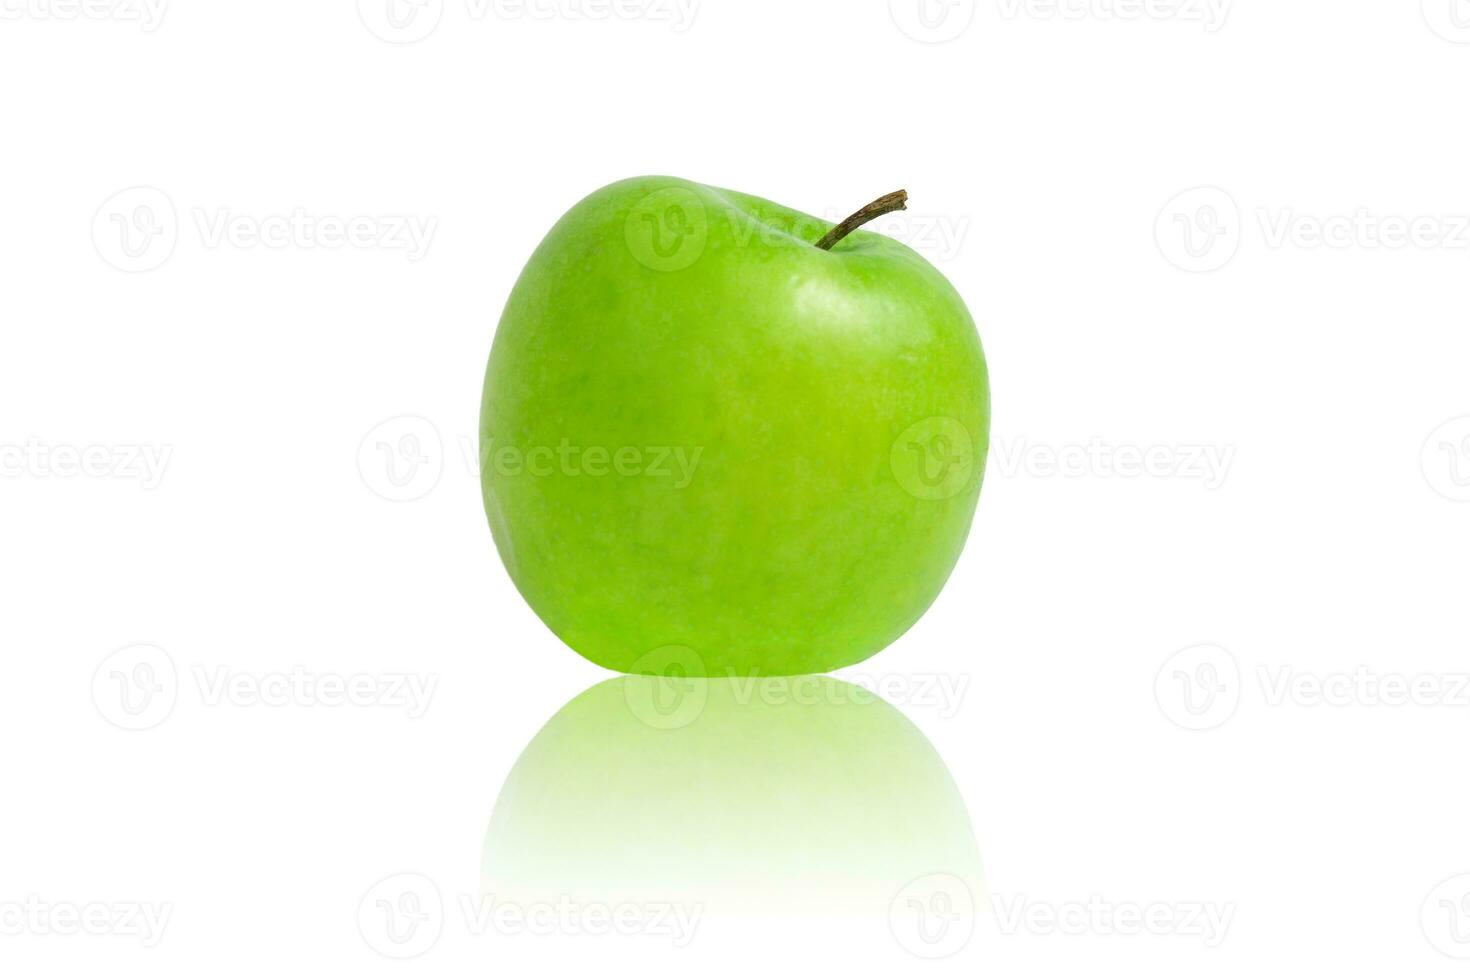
(831, 410)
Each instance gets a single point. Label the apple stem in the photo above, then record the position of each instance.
(897, 201)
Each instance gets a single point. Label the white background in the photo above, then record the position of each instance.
(1295, 318)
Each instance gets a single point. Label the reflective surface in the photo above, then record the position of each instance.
(801, 802)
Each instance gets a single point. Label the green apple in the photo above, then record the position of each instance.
(721, 436)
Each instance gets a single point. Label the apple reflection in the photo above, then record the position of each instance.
(796, 801)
